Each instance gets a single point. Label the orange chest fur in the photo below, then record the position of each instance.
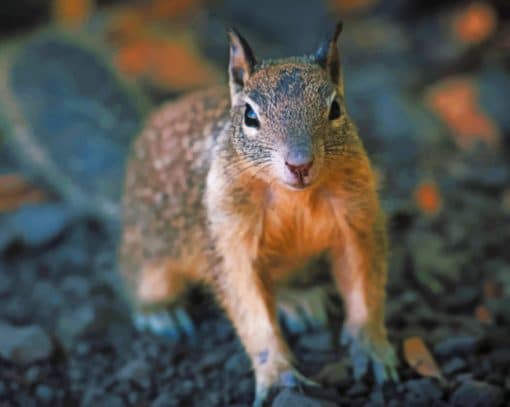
(297, 225)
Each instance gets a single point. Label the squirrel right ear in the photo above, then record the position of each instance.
(242, 61)
(328, 57)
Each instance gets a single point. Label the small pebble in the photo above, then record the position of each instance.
(476, 394)
(453, 366)
(456, 346)
(165, 399)
(358, 389)
(424, 389)
(317, 341)
(44, 393)
(288, 397)
(3, 389)
(25, 344)
(33, 374)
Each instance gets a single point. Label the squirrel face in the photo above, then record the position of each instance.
(288, 116)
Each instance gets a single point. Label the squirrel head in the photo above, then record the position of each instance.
(289, 118)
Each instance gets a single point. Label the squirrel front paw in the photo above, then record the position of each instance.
(290, 378)
(367, 352)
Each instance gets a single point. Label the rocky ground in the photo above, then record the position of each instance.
(65, 332)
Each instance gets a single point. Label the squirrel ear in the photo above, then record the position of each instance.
(327, 55)
(242, 61)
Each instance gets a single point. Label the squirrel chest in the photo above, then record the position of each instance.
(296, 226)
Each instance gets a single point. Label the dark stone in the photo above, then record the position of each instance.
(44, 393)
(5, 284)
(76, 286)
(24, 345)
(462, 297)
(16, 310)
(476, 394)
(3, 389)
(453, 366)
(317, 341)
(35, 225)
(166, 399)
(334, 374)
(46, 293)
(358, 389)
(73, 324)
(238, 362)
(185, 388)
(137, 371)
(83, 139)
(33, 374)
(456, 346)
(212, 359)
(500, 358)
(377, 398)
(82, 348)
(133, 398)
(288, 397)
(97, 398)
(425, 390)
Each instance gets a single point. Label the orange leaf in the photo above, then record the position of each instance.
(126, 24)
(455, 101)
(483, 314)
(170, 62)
(492, 289)
(428, 197)
(15, 191)
(174, 8)
(72, 12)
(352, 6)
(420, 359)
(475, 23)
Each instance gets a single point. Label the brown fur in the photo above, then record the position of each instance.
(205, 201)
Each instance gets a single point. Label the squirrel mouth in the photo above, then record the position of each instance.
(299, 184)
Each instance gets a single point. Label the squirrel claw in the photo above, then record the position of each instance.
(365, 354)
(172, 324)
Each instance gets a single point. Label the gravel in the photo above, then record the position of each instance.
(65, 331)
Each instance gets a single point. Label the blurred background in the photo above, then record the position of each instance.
(428, 84)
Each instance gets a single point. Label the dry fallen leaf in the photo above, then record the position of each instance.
(428, 197)
(475, 23)
(72, 13)
(483, 314)
(352, 6)
(173, 63)
(174, 8)
(491, 289)
(419, 358)
(455, 101)
(16, 191)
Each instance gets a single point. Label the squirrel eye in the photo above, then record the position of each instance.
(250, 117)
(334, 111)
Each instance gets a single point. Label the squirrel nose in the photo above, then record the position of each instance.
(299, 163)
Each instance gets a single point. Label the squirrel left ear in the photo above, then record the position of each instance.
(328, 57)
(242, 61)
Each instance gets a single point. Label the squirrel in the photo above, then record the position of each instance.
(236, 188)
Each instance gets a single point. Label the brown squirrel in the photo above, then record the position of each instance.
(239, 190)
